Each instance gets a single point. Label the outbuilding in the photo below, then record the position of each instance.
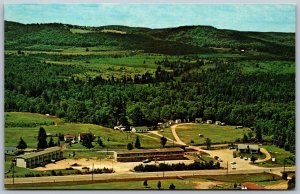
(248, 148)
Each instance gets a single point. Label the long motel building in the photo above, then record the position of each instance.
(150, 154)
(35, 159)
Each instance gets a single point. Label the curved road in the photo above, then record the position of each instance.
(178, 140)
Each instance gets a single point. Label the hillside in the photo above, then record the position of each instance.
(114, 75)
(180, 40)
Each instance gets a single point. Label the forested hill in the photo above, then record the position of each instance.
(180, 40)
(113, 75)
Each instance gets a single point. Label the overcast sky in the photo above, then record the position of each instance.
(247, 17)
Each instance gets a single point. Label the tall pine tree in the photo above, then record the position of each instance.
(42, 139)
(137, 143)
(22, 144)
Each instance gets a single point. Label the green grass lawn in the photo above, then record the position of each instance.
(167, 133)
(217, 134)
(280, 155)
(20, 119)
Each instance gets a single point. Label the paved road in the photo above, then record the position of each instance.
(140, 176)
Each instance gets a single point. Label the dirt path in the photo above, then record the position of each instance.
(266, 153)
(206, 184)
(281, 186)
(149, 136)
(178, 140)
(156, 133)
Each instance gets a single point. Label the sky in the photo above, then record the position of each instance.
(243, 17)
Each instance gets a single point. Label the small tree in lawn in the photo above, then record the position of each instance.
(87, 141)
(253, 159)
(51, 142)
(145, 183)
(129, 146)
(159, 185)
(172, 187)
(100, 142)
(22, 144)
(208, 143)
(42, 139)
(163, 141)
(137, 143)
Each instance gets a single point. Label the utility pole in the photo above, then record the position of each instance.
(93, 173)
(13, 168)
(227, 168)
(284, 165)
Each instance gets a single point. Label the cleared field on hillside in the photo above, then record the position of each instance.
(217, 134)
(111, 138)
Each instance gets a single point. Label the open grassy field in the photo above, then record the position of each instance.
(111, 138)
(167, 133)
(203, 182)
(278, 67)
(217, 134)
(18, 119)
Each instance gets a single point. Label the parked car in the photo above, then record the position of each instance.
(233, 167)
(245, 158)
(233, 162)
(146, 161)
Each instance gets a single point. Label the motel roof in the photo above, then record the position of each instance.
(35, 154)
(152, 150)
(245, 146)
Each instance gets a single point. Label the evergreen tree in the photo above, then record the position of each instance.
(129, 146)
(172, 187)
(163, 141)
(22, 144)
(51, 142)
(145, 183)
(137, 143)
(159, 185)
(87, 141)
(42, 139)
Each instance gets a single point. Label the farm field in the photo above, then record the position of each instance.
(217, 134)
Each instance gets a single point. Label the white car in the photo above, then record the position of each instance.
(233, 162)
(233, 167)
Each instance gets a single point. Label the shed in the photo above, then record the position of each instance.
(209, 122)
(218, 123)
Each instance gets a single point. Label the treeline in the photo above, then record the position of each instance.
(177, 166)
(264, 101)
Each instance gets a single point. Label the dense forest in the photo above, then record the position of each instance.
(253, 88)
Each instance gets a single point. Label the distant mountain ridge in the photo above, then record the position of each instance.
(178, 40)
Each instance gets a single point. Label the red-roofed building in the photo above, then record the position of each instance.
(252, 186)
(69, 138)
